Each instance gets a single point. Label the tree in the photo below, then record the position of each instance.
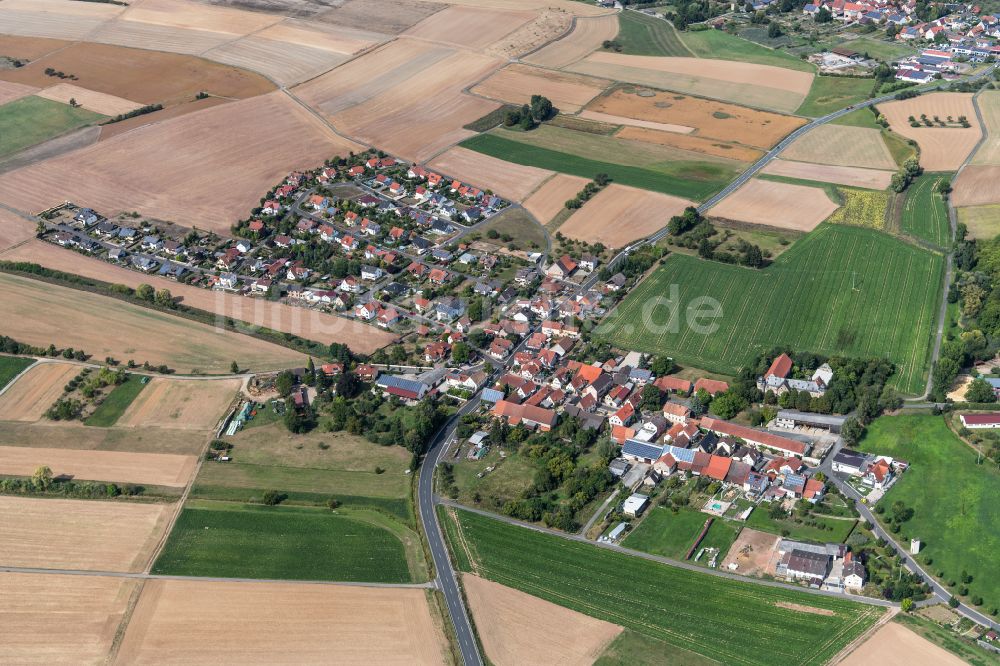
(541, 108)
(526, 122)
(852, 431)
(662, 365)
(145, 292)
(234, 368)
(310, 377)
(284, 383)
(73, 102)
(651, 398)
(823, 16)
(272, 497)
(953, 602)
(729, 404)
(980, 391)
(42, 478)
(460, 353)
(773, 30)
(164, 298)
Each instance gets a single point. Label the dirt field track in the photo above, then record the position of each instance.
(305, 624)
(79, 534)
(941, 149)
(989, 105)
(516, 628)
(109, 105)
(144, 468)
(53, 619)
(546, 202)
(618, 215)
(10, 91)
(795, 207)
(587, 35)
(310, 324)
(760, 86)
(469, 27)
(710, 119)
(14, 229)
(172, 170)
(873, 179)
(841, 145)
(180, 404)
(714, 147)
(513, 181)
(976, 186)
(29, 397)
(517, 83)
(895, 645)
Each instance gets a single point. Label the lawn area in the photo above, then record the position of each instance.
(670, 534)
(511, 476)
(879, 48)
(642, 165)
(116, 402)
(12, 366)
(831, 93)
(925, 213)
(733, 622)
(516, 222)
(839, 290)
(953, 499)
(825, 529)
(295, 543)
(720, 45)
(641, 34)
(31, 120)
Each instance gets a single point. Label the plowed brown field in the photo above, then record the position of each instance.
(546, 202)
(781, 205)
(79, 534)
(941, 149)
(517, 83)
(618, 215)
(872, 179)
(157, 469)
(29, 397)
(976, 186)
(180, 404)
(305, 624)
(516, 628)
(587, 35)
(29, 48)
(513, 181)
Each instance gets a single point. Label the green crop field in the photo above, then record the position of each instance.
(720, 45)
(12, 366)
(641, 34)
(831, 93)
(953, 499)
(293, 543)
(730, 621)
(824, 529)
(670, 534)
(925, 214)
(32, 120)
(648, 167)
(116, 402)
(839, 290)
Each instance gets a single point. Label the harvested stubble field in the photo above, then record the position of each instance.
(516, 628)
(10, 91)
(839, 290)
(54, 619)
(514, 181)
(129, 124)
(897, 645)
(873, 179)
(309, 324)
(79, 534)
(14, 229)
(977, 185)
(760, 626)
(618, 215)
(587, 36)
(841, 145)
(779, 205)
(710, 118)
(62, 435)
(197, 16)
(56, 19)
(548, 25)
(517, 83)
(941, 149)
(29, 397)
(180, 404)
(107, 105)
(469, 27)
(989, 105)
(388, 16)
(981, 221)
(154, 469)
(690, 142)
(148, 77)
(36, 313)
(609, 119)
(29, 48)
(305, 624)
(172, 170)
(761, 86)
(546, 202)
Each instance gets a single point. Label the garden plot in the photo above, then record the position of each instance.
(154, 469)
(79, 534)
(56, 619)
(989, 105)
(546, 202)
(29, 397)
(516, 628)
(618, 215)
(513, 181)
(180, 404)
(872, 179)
(102, 103)
(58, 19)
(10, 91)
(306, 623)
(517, 83)
(841, 145)
(780, 205)
(941, 148)
(761, 86)
(586, 37)
(469, 27)
(977, 185)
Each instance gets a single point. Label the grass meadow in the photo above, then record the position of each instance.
(953, 499)
(12, 366)
(116, 402)
(839, 290)
(670, 534)
(720, 45)
(732, 622)
(925, 213)
(824, 529)
(641, 34)
(832, 93)
(31, 120)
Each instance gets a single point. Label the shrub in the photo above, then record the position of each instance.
(273, 498)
